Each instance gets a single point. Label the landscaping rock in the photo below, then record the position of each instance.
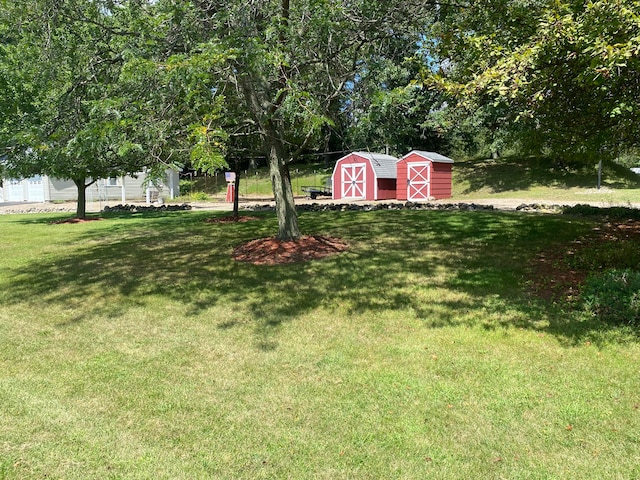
(146, 208)
(368, 207)
(38, 209)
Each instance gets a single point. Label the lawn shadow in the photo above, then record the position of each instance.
(517, 174)
(396, 260)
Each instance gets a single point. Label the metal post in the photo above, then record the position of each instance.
(599, 173)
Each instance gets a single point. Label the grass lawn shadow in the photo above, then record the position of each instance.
(518, 174)
(442, 268)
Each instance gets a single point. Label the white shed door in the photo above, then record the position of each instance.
(35, 189)
(418, 181)
(14, 191)
(354, 180)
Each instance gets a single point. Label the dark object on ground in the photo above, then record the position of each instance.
(366, 207)
(613, 213)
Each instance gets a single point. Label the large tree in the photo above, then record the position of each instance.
(97, 90)
(560, 77)
(283, 71)
(63, 125)
(293, 65)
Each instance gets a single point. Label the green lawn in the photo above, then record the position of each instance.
(541, 178)
(134, 348)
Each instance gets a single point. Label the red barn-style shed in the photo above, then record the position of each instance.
(424, 176)
(364, 176)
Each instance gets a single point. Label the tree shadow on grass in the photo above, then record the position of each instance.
(443, 267)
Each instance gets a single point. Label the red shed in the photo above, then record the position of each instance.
(364, 176)
(424, 176)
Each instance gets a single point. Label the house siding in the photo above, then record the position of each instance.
(401, 185)
(441, 186)
(53, 189)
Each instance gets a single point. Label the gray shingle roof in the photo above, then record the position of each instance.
(433, 156)
(384, 165)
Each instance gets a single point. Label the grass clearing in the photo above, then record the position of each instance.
(542, 178)
(134, 348)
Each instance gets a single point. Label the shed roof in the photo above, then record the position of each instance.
(433, 156)
(384, 165)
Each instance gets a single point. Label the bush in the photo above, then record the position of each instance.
(614, 296)
(186, 187)
(199, 196)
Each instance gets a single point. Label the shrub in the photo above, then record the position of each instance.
(199, 196)
(614, 296)
(186, 187)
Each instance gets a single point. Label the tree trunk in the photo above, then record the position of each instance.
(236, 193)
(288, 228)
(81, 209)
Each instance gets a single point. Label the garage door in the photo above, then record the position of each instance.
(354, 180)
(14, 191)
(35, 189)
(418, 181)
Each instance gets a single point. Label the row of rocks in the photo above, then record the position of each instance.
(38, 209)
(147, 208)
(324, 207)
(540, 207)
(309, 207)
(366, 207)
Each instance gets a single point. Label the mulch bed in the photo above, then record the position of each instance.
(77, 220)
(271, 251)
(231, 219)
(551, 276)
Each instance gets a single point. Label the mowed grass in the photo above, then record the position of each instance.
(135, 348)
(544, 179)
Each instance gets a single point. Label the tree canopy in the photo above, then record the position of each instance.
(131, 84)
(559, 77)
(94, 91)
(293, 67)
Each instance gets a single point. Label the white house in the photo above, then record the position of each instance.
(42, 188)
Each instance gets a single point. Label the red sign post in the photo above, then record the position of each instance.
(230, 177)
